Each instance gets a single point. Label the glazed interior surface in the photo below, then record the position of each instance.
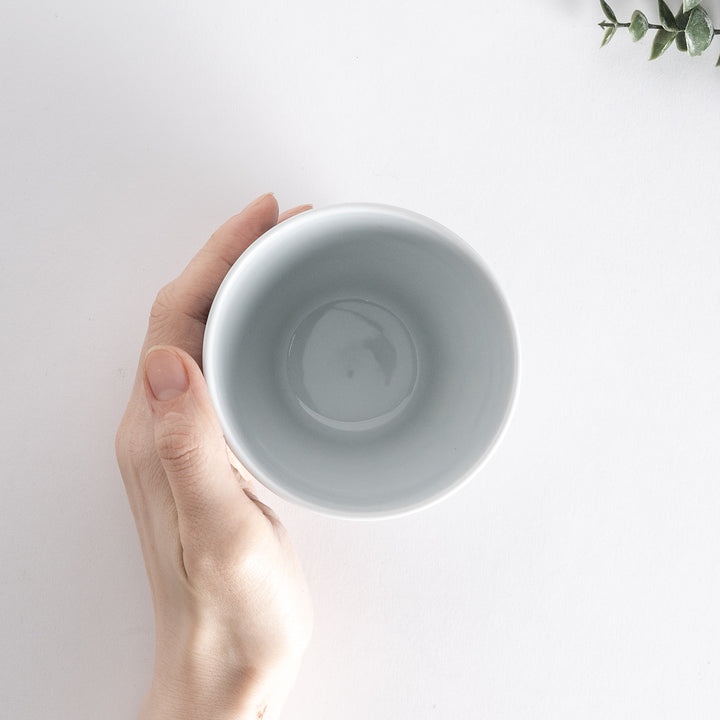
(365, 363)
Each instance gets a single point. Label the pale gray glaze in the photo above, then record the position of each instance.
(361, 359)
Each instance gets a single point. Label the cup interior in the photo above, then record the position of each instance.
(361, 359)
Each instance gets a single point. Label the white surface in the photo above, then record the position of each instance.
(579, 575)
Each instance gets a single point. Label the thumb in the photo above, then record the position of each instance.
(190, 444)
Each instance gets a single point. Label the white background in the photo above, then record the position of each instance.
(578, 575)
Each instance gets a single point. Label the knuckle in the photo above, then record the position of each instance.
(120, 444)
(163, 304)
(178, 447)
(130, 447)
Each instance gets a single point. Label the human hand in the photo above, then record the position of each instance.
(233, 614)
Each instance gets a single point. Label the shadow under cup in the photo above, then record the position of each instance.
(361, 360)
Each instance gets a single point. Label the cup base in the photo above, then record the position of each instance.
(352, 364)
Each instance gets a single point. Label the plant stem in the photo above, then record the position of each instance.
(651, 26)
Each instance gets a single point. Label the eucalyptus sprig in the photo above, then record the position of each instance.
(691, 28)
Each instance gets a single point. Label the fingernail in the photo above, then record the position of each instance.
(166, 374)
(257, 201)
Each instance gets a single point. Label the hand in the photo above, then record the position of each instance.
(233, 614)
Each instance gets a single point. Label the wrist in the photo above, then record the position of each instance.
(192, 685)
(221, 699)
(215, 698)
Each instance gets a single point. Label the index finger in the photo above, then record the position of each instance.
(198, 283)
(181, 308)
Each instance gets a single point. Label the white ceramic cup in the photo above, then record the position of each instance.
(361, 359)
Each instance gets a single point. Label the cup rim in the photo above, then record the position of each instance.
(210, 370)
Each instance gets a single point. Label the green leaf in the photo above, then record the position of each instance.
(638, 26)
(681, 19)
(608, 35)
(663, 40)
(699, 31)
(667, 19)
(609, 14)
(717, 64)
(688, 5)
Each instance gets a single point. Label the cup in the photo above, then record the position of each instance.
(362, 360)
